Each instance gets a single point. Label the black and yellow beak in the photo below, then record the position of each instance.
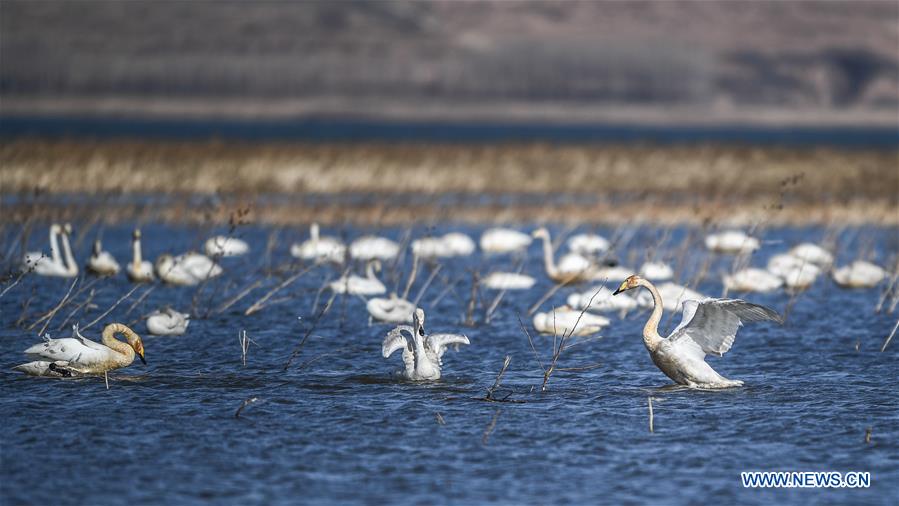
(622, 287)
(142, 359)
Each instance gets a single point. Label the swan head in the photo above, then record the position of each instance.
(418, 321)
(164, 263)
(136, 234)
(375, 265)
(628, 284)
(67, 228)
(540, 233)
(55, 228)
(97, 247)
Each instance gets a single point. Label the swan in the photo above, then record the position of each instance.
(602, 300)
(138, 270)
(224, 246)
(167, 322)
(78, 355)
(673, 296)
(795, 272)
(752, 280)
(708, 326)
(319, 247)
(357, 285)
(573, 268)
(562, 320)
(393, 310)
(102, 262)
(656, 271)
(423, 357)
(731, 241)
(53, 265)
(588, 244)
(611, 272)
(459, 244)
(370, 247)
(812, 253)
(504, 240)
(859, 274)
(186, 270)
(508, 281)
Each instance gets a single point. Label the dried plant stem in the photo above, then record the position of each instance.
(243, 293)
(499, 379)
(490, 427)
(113, 306)
(140, 299)
(890, 337)
(428, 282)
(49, 315)
(244, 404)
(649, 400)
(260, 304)
(87, 301)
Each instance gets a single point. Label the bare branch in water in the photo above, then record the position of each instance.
(260, 304)
(49, 315)
(113, 306)
(490, 428)
(890, 337)
(245, 403)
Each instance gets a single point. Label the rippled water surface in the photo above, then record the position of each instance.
(334, 426)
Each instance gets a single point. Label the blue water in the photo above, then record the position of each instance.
(336, 427)
(360, 129)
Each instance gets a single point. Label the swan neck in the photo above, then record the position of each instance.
(313, 232)
(651, 337)
(54, 246)
(548, 260)
(135, 253)
(121, 348)
(70, 266)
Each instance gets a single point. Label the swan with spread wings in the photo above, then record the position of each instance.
(423, 355)
(709, 327)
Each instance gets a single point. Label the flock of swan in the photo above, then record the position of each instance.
(708, 326)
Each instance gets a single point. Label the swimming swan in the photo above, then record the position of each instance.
(53, 265)
(656, 271)
(423, 356)
(731, 241)
(319, 248)
(453, 244)
(224, 246)
(573, 269)
(562, 320)
(859, 274)
(370, 247)
(78, 355)
(588, 244)
(752, 280)
(186, 270)
(102, 263)
(167, 322)
(138, 269)
(504, 240)
(392, 310)
(708, 327)
(357, 285)
(508, 281)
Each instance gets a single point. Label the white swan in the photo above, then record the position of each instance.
(812, 253)
(452, 244)
(186, 270)
(167, 322)
(357, 285)
(102, 263)
(224, 246)
(611, 272)
(392, 310)
(602, 300)
(78, 355)
(138, 269)
(859, 274)
(508, 281)
(459, 244)
(319, 248)
(563, 319)
(423, 356)
(370, 247)
(504, 240)
(795, 272)
(708, 327)
(588, 244)
(673, 296)
(53, 265)
(656, 271)
(731, 241)
(752, 280)
(572, 268)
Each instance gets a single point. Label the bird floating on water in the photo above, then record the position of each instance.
(423, 355)
(504, 240)
(588, 244)
(812, 253)
(708, 327)
(138, 269)
(731, 242)
(599, 298)
(371, 247)
(319, 247)
(54, 265)
(167, 322)
(656, 271)
(673, 296)
(508, 281)
(79, 356)
(358, 285)
(392, 310)
(566, 321)
(453, 244)
(188, 269)
(752, 280)
(859, 274)
(102, 263)
(224, 246)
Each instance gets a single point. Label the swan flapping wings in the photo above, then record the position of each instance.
(395, 340)
(710, 326)
(437, 343)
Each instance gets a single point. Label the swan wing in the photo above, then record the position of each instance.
(70, 349)
(711, 325)
(395, 340)
(438, 342)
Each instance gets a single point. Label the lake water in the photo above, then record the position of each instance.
(336, 427)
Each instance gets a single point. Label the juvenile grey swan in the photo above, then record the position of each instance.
(422, 356)
(708, 327)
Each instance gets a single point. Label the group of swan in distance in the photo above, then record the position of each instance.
(79, 356)
(859, 274)
(708, 326)
(453, 244)
(56, 265)
(167, 322)
(422, 353)
(575, 267)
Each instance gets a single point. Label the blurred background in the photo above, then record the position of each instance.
(710, 98)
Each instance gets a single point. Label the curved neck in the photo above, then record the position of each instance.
(70, 266)
(420, 357)
(548, 260)
(651, 337)
(117, 346)
(54, 247)
(370, 272)
(313, 232)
